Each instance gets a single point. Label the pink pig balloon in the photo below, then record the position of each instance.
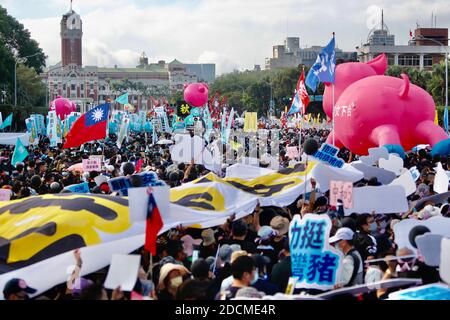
(62, 106)
(73, 107)
(373, 110)
(196, 94)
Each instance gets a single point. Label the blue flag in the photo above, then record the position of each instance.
(446, 119)
(7, 122)
(325, 67)
(20, 153)
(296, 106)
(123, 99)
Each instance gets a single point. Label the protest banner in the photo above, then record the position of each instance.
(316, 264)
(440, 180)
(393, 164)
(406, 181)
(183, 109)
(92, 165)
(341, 190)
(138, 201)
(383, 176)
(97, 156)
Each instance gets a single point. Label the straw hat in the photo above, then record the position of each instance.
(168, 268)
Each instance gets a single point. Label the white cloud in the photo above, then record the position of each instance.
(231, 33)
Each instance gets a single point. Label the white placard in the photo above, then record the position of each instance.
(393, 164)
(123, 272)
(440, 180)
(138, 202)
(374, 155)
(437, 225)
(383, 176)
(429, 246)
(381, 199)
(444, 267)
(406, 181)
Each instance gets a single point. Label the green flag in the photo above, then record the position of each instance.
(20, 153)
(7, 122)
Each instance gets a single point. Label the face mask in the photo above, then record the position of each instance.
(373, 227)
(176, 282)
(256, 277)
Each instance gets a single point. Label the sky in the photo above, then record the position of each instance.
(234, 34)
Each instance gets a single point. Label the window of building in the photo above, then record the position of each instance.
(64, 87)
(427, 61)
(409, 60)
(72, 87)
(92, 86)
(82, 87)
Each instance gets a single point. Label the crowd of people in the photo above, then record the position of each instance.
(247, 257)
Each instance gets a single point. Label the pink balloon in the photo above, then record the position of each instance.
(373, 110)
(74, 107)
(196, 94)
(62, 106)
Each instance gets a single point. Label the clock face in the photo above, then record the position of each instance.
(74, 22)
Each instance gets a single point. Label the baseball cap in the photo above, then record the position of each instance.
(342, 234)
(16, 285)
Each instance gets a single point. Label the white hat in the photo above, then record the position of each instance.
(265, 232)
(342, 234)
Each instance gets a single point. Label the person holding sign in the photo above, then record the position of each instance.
(352, 270)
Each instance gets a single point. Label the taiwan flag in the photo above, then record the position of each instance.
(154, 224)
(90, 126)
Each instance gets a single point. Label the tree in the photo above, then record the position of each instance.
(436, 84)
(30, 88)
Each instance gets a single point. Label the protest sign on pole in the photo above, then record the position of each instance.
(79, 188)
(316, 264)
(341, 190)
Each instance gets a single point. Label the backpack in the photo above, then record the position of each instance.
(356, 263)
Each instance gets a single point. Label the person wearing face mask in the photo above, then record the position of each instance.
(261, 281)
(352, 266)
(365, 242)
(171, 277)
(244, 273)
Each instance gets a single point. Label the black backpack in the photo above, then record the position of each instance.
(356, 263)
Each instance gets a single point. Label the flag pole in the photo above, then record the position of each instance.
(334, 134)
(334, 144)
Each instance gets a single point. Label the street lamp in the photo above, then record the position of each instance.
(19, 60)
(446, 68)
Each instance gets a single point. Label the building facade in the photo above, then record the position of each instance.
(418, 53)
(290, 55)
(91, 85)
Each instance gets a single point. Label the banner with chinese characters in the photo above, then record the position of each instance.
(316, 264)
(329, 154)
(92, 165)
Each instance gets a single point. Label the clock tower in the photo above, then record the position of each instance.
(71, 38)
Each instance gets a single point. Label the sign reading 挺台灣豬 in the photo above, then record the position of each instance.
(315, 263)
(328, 153)
(92, 165)
(341, 190)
